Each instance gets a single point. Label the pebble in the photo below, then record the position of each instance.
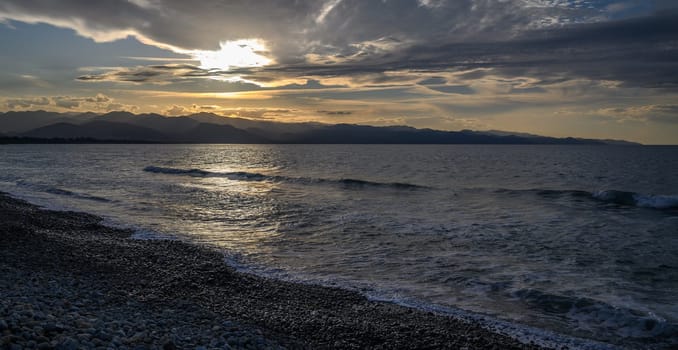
(129, 324)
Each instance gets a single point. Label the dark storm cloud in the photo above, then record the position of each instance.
(638, 52)
(153, 73)
(548, 40)
(169, 23)
(292, 28)
(173, 22)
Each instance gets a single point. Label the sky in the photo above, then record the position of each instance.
(583, 68)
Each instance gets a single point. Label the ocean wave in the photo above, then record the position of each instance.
(593, 315)
(248, 176)
(637, 199)
(624, 198)
(61, 191)
(174, 171)
(358, 183)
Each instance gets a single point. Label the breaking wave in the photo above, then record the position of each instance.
(637, 199)
(624, 198)
(247, 176)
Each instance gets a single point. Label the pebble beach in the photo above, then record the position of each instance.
(69, 282)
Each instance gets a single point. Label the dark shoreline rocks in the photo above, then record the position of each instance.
(68, 282)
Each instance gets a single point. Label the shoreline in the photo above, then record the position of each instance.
(126, 285)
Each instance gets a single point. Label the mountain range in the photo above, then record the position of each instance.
(43, 126)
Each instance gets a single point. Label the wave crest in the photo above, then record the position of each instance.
(637, 199)
(624, 198)
(161, 170)
(247, 176)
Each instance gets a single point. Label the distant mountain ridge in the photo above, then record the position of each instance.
(212, 128)
(101, 130)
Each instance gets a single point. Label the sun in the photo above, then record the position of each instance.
(233, 54)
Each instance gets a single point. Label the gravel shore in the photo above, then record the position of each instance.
(67, 282)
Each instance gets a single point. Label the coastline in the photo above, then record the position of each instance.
(70, 282)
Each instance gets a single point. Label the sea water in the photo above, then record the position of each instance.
(575, 240)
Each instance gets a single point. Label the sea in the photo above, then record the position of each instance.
(560, 245)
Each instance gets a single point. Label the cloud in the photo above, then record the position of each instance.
(66, 102)
(452, 89)
(154, 74)
(433, 81)
(380, 43)
(326, 9)
(249, 113)
(176, 111)
(636, 52)
(295, 28)
(27, 102)
(98, 102)
(663, 113)
(171, 24)
(431, 3)
(205, 107)
(335, 112)
(224, 81)
(99, 98)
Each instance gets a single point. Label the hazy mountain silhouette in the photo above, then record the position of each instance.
(274, 131)
(100, 130)
(212, 128)
(347, 133)
(524, 134)
(157, 122)
(213, 133)
(17, 122)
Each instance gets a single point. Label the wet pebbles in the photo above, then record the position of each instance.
(67, 282)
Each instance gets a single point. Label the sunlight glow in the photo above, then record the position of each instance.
(238, 53)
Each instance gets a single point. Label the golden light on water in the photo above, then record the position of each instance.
(232, 54)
